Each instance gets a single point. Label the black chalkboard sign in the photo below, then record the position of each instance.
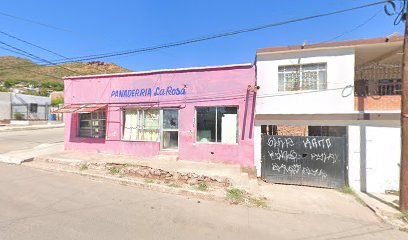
(311, 161)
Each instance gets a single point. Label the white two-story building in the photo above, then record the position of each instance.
(328, 114)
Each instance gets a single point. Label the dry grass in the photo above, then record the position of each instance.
(404, 216)
(83, 167)
(202, 187)
(238, 196)
(350, 191)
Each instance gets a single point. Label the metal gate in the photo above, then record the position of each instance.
(310, 161)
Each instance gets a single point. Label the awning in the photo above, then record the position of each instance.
(90, 108)
(80, 108)
(69, 108)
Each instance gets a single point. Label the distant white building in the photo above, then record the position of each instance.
(23, 107)
(348, 89)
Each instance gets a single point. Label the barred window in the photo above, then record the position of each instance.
(141, 125)
(302, 77)
(92, 125)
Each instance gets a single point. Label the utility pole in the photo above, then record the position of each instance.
(404, 122)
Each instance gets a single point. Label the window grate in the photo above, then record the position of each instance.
(302, 77)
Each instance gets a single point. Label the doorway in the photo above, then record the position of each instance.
(170, 129)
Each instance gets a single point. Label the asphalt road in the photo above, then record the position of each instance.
(26, 139)
(41, 205)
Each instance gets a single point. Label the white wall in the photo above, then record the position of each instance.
(257, 149)
(340, 73)
(4, 105)
(374, 157)
(383, 158)
(354, 155)
(42, 112)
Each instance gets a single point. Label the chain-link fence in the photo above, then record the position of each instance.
(31, 111)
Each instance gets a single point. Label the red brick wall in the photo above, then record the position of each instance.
(377, 103)
(292, 130)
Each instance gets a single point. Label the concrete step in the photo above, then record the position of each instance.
(168, 156)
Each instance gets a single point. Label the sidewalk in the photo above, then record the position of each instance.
(7, 128)
(386, 207)
(167, 174)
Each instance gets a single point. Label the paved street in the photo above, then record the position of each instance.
(36, 204)
(26, 139)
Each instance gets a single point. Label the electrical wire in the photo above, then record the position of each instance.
(16, 52)
(354, 28)
(32, 44)
(41, 74)
(34, 22)
(36, 57)
(216, 36)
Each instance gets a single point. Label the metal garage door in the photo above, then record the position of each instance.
(311, 161)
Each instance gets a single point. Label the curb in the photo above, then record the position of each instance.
(141, 184)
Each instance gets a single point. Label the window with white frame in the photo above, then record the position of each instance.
(302, 77)
(141, 124)
(217, 124)
(92, 125)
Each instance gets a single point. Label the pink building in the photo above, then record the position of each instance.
(198, 114)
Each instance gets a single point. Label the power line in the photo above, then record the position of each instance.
(33, 22)
(36, 57)
(26, 55)
(220, 35)
(216, 36)
(31, 44)
(13, 51)
(42, 74)
(356, 27)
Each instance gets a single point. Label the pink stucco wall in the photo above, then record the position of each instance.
(215, 86)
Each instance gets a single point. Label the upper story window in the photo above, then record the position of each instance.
(303, 77)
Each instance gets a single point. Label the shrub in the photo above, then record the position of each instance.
(19, 116)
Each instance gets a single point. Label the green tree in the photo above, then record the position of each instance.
(9, 83)
(57, 101)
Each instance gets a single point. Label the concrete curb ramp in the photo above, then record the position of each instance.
(20, 156)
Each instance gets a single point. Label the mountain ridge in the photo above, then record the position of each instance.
(22, 69)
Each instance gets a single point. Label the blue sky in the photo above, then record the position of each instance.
(96, 26)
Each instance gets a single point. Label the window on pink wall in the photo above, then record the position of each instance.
(92, 125)
(217, 125)
(141, 125)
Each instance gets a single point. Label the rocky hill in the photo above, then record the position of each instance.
(33, 78)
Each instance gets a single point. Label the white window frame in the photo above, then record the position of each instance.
(140, 127)
(216, 123)
(162, 129)
(319, 85)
